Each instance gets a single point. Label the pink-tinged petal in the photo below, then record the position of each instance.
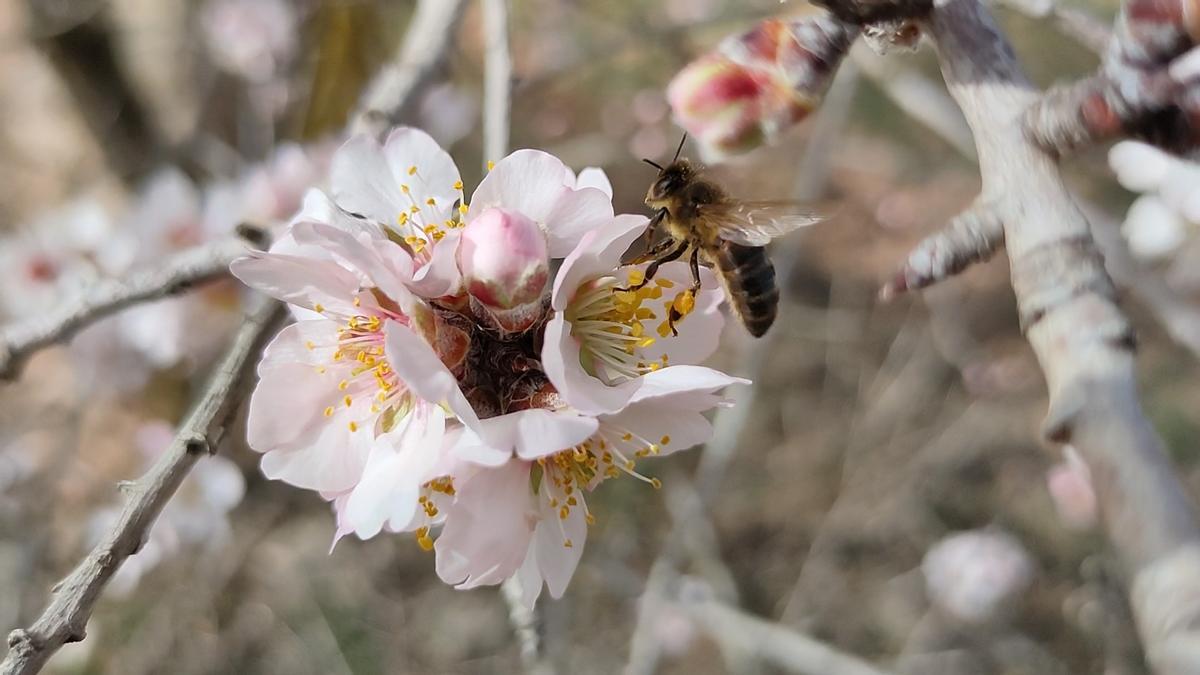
(436, 175)
(530, 579)
(529, 434)
(471, 447)
(419, 367)
(582, 391)
(332, 461)
(594, 177)
(299, 281)
(529, 181)
(286, 406)
(365, 255)
(682, 425)
(399, 463)
(598, 254)
(488, 527)
(558, 542)
(363, 182)
(310, 342)
(339, 516)
(440, 276)
(576, 213)
(700, 331)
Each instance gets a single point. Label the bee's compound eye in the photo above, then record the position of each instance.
(664, 185)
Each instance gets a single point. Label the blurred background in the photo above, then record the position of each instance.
(880, 488)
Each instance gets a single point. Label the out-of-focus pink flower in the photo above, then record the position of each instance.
(758, 84)
(448, 112)
(505, 267)
(601, 340)
(972, 575)
(1070, 486)
(254, 39)
(273, 191)
(53, 258)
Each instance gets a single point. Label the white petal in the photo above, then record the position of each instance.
(1152, 228)
(594, 177)
(597, 254)
(529, 181)
(557, 561)
(419, 367)
(582, 391)
(299, 281)
(363, 182)
(488, 527)
(576, 213)
(436, 175)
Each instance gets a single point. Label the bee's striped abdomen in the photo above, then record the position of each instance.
(749, 279)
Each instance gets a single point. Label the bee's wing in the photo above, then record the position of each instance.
(757, 223)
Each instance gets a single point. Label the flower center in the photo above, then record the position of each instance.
(608, 323)
(613, 451)
(358, 357)
(422, 224)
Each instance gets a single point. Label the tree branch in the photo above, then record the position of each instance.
(791, 651)
(425, 46)
(178, 274)
(1134, 93)
(973, 236)
(65, 619)
(1082, 340)
(497, 79)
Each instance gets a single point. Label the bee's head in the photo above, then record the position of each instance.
(671, 179)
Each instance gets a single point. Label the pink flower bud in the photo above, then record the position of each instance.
(758, 84)
(505, 266)
(1070, 486)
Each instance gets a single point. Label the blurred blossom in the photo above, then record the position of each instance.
(53, 258)
(1152, 228)
(685, 12)
(757, 85)
(973, 575)
(254, 39)
(1070, 486)
(274, 190)
(448, 112)
(195, 519)
(1168, 212)
(439, 379)
(649, 106)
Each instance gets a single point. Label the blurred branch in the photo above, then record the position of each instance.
(85, 57)
(921, 100)
(1136, 92)
(497, 79)
(1082, 340)
(65, 619)
(972, 236)
(1079, 24)
(178, 274)
(789, 650)
(425, 47)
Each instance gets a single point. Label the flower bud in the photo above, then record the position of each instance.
(757, 85)
(505, 267)
(974, 576)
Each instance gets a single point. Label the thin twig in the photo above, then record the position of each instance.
(178, 274)
(65, 619)
(787, 649)
(972, 236)
(1078, 24)
(497, 79)
(425, 46)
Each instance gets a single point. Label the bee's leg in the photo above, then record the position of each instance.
(683, 304)
(676, 249)
(652, 249)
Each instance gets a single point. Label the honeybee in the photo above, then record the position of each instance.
(703, 222)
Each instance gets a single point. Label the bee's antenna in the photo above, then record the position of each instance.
(680, 148)
(653, 164)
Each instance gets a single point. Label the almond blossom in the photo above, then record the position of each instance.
(438, 381)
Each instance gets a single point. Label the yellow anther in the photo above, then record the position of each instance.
(308, 344)
(685, 302)
(462, 208)
(664, 329)
(329, 411)
(572, 502)
(491, 165)
(665, 283)
(656, 483)
(412, 170)
(319, 308)
(352, 426)
(636, 276)
(402, 218)
(458, 185)
(320, 370)
(564, 512)
(357, 301)
(404, 187)
(423, 539)
(344, 385)
(665, 439)
(431, 201)
(414, 209)
(347, 400)
(628, 436)
(567, 543)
